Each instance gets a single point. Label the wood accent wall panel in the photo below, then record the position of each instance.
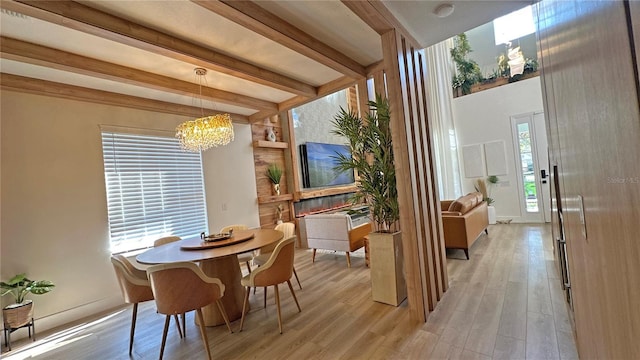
(594, 122)
(263, 156)
(420, 222)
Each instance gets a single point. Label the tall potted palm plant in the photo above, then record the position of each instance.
(372, 159)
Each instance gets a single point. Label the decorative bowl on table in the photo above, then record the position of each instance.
(217, 237)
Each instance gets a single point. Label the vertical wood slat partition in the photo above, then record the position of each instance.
(424, 256)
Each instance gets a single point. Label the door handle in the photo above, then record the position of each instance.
(543, 174)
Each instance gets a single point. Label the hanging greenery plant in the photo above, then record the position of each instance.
(467, 71)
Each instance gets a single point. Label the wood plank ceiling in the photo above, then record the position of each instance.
(262, 57)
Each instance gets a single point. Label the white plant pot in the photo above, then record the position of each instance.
(492, 214)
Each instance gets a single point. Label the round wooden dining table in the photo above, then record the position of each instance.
(215, 261)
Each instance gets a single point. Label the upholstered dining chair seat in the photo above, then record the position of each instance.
(181, 287)
(288, 229)
(135, 289)
(277, 270)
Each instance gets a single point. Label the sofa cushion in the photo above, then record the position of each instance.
(464, 203)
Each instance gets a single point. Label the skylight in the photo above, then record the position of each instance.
(513, 26)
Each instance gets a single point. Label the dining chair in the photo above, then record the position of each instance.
(181, 287)
(166, 240)
(163, 241)
(244, 257)
(288, 229)
(135, 289)
(277, 270)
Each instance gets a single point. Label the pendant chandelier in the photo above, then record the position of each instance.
(206, 132)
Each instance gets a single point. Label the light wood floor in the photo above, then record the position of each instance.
(504, 303)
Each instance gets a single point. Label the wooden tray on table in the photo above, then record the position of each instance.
(216, 240)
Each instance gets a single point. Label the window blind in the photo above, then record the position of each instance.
(154, 189)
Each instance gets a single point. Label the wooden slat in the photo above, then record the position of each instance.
(49, 88)
(261, 21)
(83, 18)
(44, 56)
(418, 300)
(424, 257)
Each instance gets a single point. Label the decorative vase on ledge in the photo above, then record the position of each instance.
(276, 189)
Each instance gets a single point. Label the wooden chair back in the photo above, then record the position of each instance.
(133, 282)
(182, 287)
(234, 227)
(288, 229)
(166, 240)
(279, 267)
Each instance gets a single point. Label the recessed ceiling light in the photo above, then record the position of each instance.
(443, 10)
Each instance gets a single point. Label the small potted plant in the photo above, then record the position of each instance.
(481, 186)
(274, 173)
(21, 312)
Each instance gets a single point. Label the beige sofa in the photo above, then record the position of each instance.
(464, 220)
(334, 232)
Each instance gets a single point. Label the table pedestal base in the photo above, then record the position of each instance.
(227, 269)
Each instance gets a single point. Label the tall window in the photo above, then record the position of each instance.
(154, 189)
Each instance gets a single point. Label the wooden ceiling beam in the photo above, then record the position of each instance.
(92, 21)
(378, 17)
(259, 20)
(72, 92)
(326, 89)
(18, 50)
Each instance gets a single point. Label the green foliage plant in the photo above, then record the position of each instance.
(20, 286)
(274, 173)
(372, 158)
(468, 71)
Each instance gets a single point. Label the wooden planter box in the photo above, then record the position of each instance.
(386, 262)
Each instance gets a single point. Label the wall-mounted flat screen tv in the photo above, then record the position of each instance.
(318, 162)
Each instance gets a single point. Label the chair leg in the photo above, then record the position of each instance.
(244, 307)
(203, 332)
(466, 252)
(164, 334)
(313, 258)
(178, 326)
(348, 260)
(133, 326)
(248, 267)
(278, 305)
(223, 312)
(265, 297)
(486, 231)
(184, 324)
(297, 279)
(294, 295)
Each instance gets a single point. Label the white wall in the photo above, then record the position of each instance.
(54, 211)
(484, 117)
(230, 182)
